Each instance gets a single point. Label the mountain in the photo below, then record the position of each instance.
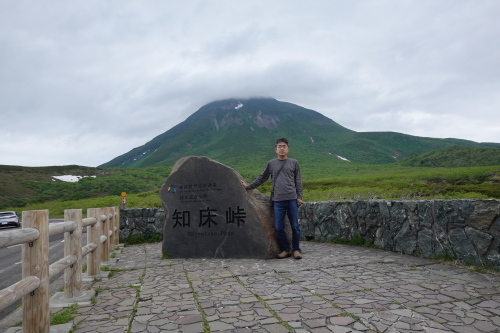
(454, 156)
(241, 133)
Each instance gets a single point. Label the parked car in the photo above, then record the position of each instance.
(9, 218)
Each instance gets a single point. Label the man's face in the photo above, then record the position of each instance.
(282, 149)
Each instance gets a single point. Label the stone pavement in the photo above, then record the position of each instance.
(335, 288)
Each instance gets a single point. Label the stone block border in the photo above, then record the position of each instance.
(466, 229)
(141, 222)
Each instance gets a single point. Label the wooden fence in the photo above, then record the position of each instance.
(102, 236)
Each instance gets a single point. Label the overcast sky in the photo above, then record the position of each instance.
(82, 82)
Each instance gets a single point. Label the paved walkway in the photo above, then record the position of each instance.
(335, 288)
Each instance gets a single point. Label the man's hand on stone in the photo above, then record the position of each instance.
(243, 183)
(299, 202)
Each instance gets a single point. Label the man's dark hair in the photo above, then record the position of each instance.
(281, 140)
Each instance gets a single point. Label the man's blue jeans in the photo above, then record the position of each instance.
(290, 208)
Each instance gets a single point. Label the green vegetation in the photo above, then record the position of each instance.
(364, 182)
(485, 268)
(406, 183)
(454, 157)
(447, 257)
(57, 207)
(23, 186)
(64, 316)
(348, 181)
(143, 238)
(356, 240)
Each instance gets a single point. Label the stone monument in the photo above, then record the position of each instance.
(210, 215)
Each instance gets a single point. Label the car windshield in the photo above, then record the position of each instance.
(5, 214)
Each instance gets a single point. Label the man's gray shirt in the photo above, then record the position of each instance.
(287, 185)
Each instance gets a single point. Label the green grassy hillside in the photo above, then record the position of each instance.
(360, 183)
(20, 186)
(454, 157)
(347, 181)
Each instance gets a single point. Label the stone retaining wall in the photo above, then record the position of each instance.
(141, 222)
(466, 229)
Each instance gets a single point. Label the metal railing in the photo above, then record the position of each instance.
(102, 236)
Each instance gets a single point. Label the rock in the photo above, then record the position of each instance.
(454, 211)
(480, 239)
(441, 243)
(359, 216)
(344, 215)
(387, 239)
(145, 212)
(384, 209)
(413, 216)
(379, 240)
(411, 205)
(136, 212)
(496, 225)
(124, 234)
(140, 224)
(137, 232)
(425, 214)
(210, 215)
(306, 221)
(406, 239)
(317, 219)
(160, 220)
(398, 216)
(493, 256)
(123, 220)
(463, 247)
(424, 242)
(439, 214)
(334, 230)
(367, 216)
(448, 212)
(465, 208)
(484, 214)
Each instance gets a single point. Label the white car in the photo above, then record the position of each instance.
(9, 218)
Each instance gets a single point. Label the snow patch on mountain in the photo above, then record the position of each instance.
(70, 178)
(340, 157)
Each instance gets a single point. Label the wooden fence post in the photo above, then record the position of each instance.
(73, 246)
(105, 232)
(35, 261)
(112, 228)
(93, 236)
(117, 224)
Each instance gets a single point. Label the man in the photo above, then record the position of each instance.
(286, 196)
